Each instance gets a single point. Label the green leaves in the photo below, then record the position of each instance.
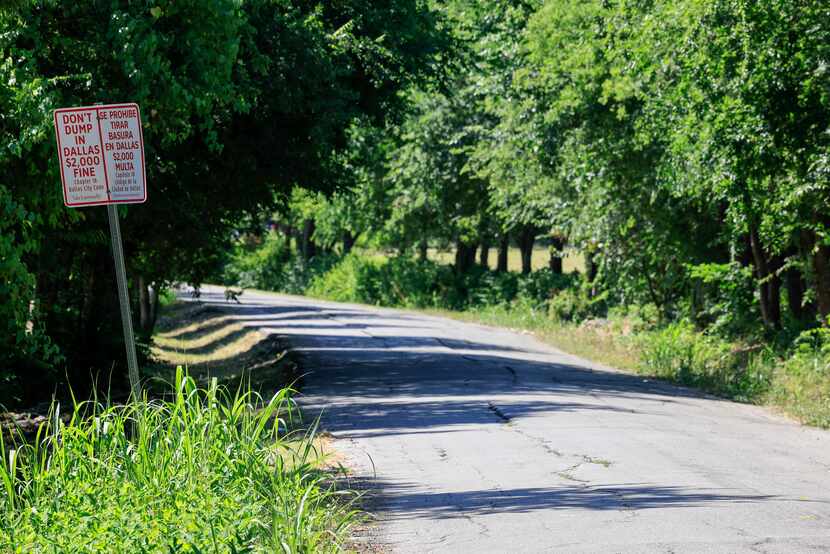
(204, 471)
(240, 101)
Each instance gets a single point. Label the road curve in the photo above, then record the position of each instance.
(480, 439)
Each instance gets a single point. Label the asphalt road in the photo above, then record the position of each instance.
(479, 439)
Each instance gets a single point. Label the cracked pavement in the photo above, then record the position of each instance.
(477, 439)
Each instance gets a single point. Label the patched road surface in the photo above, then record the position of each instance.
(478, 439)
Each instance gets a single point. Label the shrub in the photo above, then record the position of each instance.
(345, 281)
(201, 472)
(679, 353)
(569, 306)
(258, 264)
(490, 288)
(269, 264)
(411, 283)
(803, 380)
(387, 282)
(724, 299)
(575, 304)
(544, 285)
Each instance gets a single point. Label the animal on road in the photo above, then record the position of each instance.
(233, 294)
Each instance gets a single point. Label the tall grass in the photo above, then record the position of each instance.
(203, 470)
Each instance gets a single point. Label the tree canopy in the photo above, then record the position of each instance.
(681, 147)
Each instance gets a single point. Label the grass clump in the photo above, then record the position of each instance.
(203, 470)
(802, 382)
(680, 353)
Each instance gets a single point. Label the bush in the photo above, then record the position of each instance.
(201, 472)
(679, 353)
(544, 285)
(724, 299)
(269, 264)
(803, 380)
(411, 283)
(256, 264)
(575, 304)
(345, 281)
(489, 288)
(386, 282)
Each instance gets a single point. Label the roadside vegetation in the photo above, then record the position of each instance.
(674, 153)
(199, 470)
(678, 149)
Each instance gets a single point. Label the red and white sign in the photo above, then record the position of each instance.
(101, 152)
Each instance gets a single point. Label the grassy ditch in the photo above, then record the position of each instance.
(200, 470)
(211, 343)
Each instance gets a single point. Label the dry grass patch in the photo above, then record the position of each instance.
(210, 343)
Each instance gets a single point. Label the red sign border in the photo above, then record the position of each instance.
(60, 154)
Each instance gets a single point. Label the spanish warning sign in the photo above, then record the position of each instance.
(101, 152)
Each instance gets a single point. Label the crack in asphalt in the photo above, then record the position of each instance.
(501, 415)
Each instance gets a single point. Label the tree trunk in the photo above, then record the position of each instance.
(348, 241)
(526, 240)
(774, 297)
(555, 262)
(423, 250)
(154, 306)
(795, 293)
(504, 248)
(465, 256)
(591, 271)
(821, 269)
(484, 254)
(309, 249)
(146, 309)
(591, 268)
(769, 288)
(295, 240)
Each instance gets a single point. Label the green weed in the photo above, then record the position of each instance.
(681, 354)
(201, 471)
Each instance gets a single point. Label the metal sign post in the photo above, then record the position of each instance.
(101, 154)
(124, 299)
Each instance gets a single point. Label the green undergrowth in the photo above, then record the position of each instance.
(201, 470)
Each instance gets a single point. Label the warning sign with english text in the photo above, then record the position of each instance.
(101, 154)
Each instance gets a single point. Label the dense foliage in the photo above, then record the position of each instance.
(240, 102)
(681, 147)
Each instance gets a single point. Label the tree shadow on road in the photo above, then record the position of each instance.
(406, 501)
(418, 374)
